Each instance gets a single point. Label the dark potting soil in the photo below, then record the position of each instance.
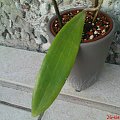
(92, 30)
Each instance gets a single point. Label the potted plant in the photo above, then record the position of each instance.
(90, 27)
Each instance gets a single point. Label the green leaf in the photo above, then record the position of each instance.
(57, 64)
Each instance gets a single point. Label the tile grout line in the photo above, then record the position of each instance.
(15, 85)
(19, 107)
(90, 103)
(15, 106)
(62, 96)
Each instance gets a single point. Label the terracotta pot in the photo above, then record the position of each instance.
(90, 58)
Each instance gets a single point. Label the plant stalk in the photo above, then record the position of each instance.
(96, 3)
(99, 6)
(57, 13)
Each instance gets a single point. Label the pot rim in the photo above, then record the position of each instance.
(110, 31)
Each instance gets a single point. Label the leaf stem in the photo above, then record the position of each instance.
(92, 9)
(57, 13)
(96, 3)
(96, 13)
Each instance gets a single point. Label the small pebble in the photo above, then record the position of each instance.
(91, 37)
(98, 26)
(103, 31)
(106, 26)
(85, 39)
(55, 25)
(98, 18)
(96, 32)
(98, 29)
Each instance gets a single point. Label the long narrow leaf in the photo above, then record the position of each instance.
(57, 64)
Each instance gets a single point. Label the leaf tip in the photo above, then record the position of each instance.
(35, 113)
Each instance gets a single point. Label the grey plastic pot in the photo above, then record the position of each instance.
(90, 59)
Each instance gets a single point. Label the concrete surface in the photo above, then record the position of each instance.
(11, 113)
(18, 69)
(62, 110)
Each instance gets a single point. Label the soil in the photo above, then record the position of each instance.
(92, 30)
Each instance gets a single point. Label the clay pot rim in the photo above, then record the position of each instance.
(87, 41)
